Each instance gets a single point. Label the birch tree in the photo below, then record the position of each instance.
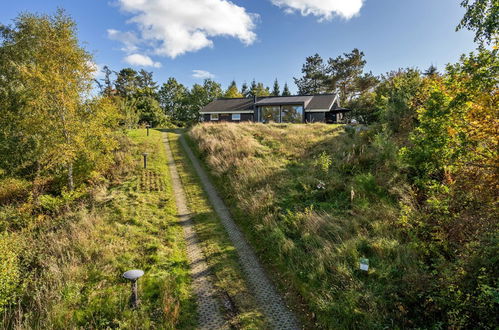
(45, 78)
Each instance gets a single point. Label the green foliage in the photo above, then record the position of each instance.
(10, 271)
(343, 75)
(232, 91)
(138, 98)
(396, 99)
(482, 16)
(314, 76)
(47, 126)
(61, 268)
(415, 193)
(257, 89)
(276, 89)
(324, 162)
(13, 190)
(285, 90)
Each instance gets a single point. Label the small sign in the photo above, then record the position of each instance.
(364, 264)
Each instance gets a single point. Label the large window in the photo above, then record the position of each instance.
(236, 116)
(291, 114)
(214, 116)
(269, 114)
(281, 114)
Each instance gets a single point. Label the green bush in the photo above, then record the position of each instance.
(13, 190)
(11, 276)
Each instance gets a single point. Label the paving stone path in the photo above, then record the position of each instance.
(274, 307)
(208, 308)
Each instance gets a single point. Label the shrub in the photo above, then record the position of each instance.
(13, 190)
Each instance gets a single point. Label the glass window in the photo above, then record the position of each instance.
(236, 116)
(292, 113)
(214, 116)
(269, 114)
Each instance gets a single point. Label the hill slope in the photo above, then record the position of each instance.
(314, 200)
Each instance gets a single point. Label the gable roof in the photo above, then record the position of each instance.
(322, 102)
(283, 100)
(318, 103)
(228, 105)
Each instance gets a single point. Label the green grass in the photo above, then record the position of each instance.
(74, 269)
(220, 253)
(313, 237)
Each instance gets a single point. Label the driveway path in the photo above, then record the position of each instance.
(208, 309)
(266, 294)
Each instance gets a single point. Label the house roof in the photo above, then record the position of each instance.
(283, 100)
(322, 102)
(228, 105)
(240, 105)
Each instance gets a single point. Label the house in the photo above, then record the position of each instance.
(276, 109)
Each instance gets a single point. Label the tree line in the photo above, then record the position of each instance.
(141, 100)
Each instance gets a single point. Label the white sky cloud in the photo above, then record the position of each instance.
(141, 60)
(96, 69)
(324, 9)
(202, 74)
(175, 27)
(128, 39)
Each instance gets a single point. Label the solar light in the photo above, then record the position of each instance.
(145, 159)
(147, 127)
(133, 275)
(364, 264)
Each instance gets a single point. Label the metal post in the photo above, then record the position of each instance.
(147, 127)
(133, 275)
(134, 299)
(145, 159)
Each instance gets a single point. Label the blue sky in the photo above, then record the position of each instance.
(260, 39)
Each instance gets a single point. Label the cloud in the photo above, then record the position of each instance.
(201, 74)
(128, 39)
(174, 27)
(324, 9)
(96, 69)
(141, 60)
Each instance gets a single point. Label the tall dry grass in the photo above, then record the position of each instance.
(314, 199)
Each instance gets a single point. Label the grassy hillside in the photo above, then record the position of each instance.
(62, 256)
(314, 199)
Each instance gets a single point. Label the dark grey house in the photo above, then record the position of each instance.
(276, 109)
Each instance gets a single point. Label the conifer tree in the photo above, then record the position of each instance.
(276, 90)
(285, 90)
(245, 90)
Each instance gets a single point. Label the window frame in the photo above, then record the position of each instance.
(214, 116)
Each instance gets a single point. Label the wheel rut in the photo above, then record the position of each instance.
(208, 307)
(270, 301)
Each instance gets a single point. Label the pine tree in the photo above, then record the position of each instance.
(431, 71)
(285, 91)
(245, 90)
(276, 90)
(314, 76)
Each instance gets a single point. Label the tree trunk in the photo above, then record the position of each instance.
(70, 177)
